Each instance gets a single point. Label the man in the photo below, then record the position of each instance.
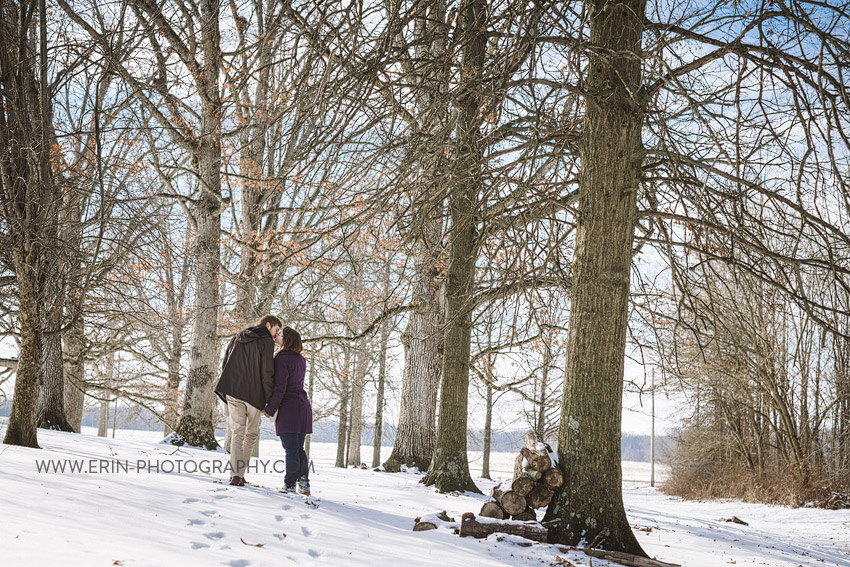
(246, 386)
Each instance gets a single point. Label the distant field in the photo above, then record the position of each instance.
(635, 473)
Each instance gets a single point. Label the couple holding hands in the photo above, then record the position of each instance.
(256, 381)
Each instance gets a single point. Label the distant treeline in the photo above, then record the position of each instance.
(633, 447)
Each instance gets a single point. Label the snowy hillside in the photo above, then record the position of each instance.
(111, 516)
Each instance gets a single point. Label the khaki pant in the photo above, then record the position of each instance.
(244, 422)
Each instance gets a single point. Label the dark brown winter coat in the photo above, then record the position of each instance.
(247, 372)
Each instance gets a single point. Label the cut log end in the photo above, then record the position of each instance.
(523, 484)
(540, 496)
(492, 509)
(537, 460)
(526, 515)
(553, 478)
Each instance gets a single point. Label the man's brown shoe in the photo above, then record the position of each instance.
(237, 480)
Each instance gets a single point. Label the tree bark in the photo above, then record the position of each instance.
(28, 196)
(590, 504)
(196, 426)
(255, 115)
(74, 347)
(422, 339)
(540, 424)
(841, 369)
(469, 526)
(52, 374)
(449, 470)
(361, 362)
(488, 433)
(311, 381)
(382, 377)
(106, 396)
(22, 428)
(171, 347)
(342, 427)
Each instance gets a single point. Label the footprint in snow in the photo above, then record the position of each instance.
(221, 496)
(199, 545)
(214, 535)
(209, 513)
(278, 518)
(191, 500)
(197, 522)
(238, 563)
(306, 532)
(313, 553)
(281, 537)
(286, 507)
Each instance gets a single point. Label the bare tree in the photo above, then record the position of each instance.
(30, 198)
(181, 40)
(590, 505)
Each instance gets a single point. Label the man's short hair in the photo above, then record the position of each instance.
(275, 322)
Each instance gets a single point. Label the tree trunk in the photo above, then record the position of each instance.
(343, 410)
(52, 410)
(449, 470)
(75, 366)
(252, 154)
(590, 504)
(361, 362)
(841, 421)
(172, 348)
(382, 377)
(540, 425)
(422, 340)
(196, 426)
(423, 337)
(22, 420)
(106, 396)
(172, 391)
(52, 375)
(488, 432)
(310, 398)
(28, 196)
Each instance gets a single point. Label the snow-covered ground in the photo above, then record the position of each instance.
(107, 515)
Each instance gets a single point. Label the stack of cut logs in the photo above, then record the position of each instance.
(533, 485)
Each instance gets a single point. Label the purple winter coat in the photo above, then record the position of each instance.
(294, 414)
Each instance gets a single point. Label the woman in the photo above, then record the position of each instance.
(294, 414)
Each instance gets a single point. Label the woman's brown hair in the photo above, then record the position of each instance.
(291, 340)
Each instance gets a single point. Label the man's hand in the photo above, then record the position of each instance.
(266, 414)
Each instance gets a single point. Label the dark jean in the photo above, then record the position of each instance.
(296, 457)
